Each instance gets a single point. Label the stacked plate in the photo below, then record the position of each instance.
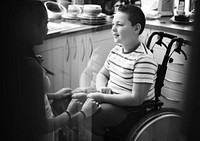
(72, 12)
(70, 17)
(92, 20)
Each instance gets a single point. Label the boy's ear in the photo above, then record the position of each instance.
(137, 28)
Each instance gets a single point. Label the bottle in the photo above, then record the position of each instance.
(181, 7)
(108, 7)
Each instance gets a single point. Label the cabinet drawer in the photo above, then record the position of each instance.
(172, 95)
(181, 67)
(171, 104)
(175, 81)
(172, 98)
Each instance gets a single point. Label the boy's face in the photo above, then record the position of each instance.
(123, 31)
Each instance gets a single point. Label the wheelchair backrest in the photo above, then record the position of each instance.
(162, 68)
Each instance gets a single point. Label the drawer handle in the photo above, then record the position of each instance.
(91, 47)
(68, 53)
(172, 81)
(83, 50)
(170, 99)
(75, 46)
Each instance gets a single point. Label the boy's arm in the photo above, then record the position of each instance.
(102, 78)
(138, 95)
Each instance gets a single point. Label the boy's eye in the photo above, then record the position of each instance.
(117, 24)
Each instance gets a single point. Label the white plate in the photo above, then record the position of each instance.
(86, 16)
(153, 17)
(70, 16)
(93, 22)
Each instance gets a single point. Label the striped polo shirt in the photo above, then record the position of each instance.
(128, 68)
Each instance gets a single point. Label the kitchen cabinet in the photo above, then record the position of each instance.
(85, 44)
(67, 56)
(78, 52)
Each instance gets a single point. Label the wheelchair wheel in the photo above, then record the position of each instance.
(158, 125)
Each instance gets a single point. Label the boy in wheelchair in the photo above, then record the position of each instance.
(129, 72)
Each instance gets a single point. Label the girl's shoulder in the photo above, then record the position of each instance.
(31, 64)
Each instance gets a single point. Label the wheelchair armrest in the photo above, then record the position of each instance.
(145, 105)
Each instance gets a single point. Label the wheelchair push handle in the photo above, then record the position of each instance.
(179, 42)
(161, 36)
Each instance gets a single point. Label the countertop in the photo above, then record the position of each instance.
(162, 24)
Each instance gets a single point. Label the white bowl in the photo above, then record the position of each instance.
(92, 9)
(74, 10)
(54, 10)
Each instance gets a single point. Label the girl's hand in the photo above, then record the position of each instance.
(90, 107)
(80, 96)
(63, 93)
(40, 58)
(74, 106)
(96, 96)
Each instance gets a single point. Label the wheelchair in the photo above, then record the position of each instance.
(151, 121)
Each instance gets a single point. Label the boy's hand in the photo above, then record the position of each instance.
(96, 96)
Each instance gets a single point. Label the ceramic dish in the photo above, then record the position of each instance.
(70, 16)
(54, 10)
(153, 17)
(86, 16)
(92, 9)
(93, 22)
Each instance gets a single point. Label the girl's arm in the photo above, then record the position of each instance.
(62, 93)
(87, 110)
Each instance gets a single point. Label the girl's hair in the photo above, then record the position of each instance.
(135, 15)
(31, 13)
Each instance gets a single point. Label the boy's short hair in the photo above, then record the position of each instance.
(135, 15)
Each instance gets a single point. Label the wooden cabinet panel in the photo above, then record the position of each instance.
(58, 68)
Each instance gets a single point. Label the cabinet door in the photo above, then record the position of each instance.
(58, 68)
(67, 62)
(52, 51)
(57, 56)
(81, 45)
